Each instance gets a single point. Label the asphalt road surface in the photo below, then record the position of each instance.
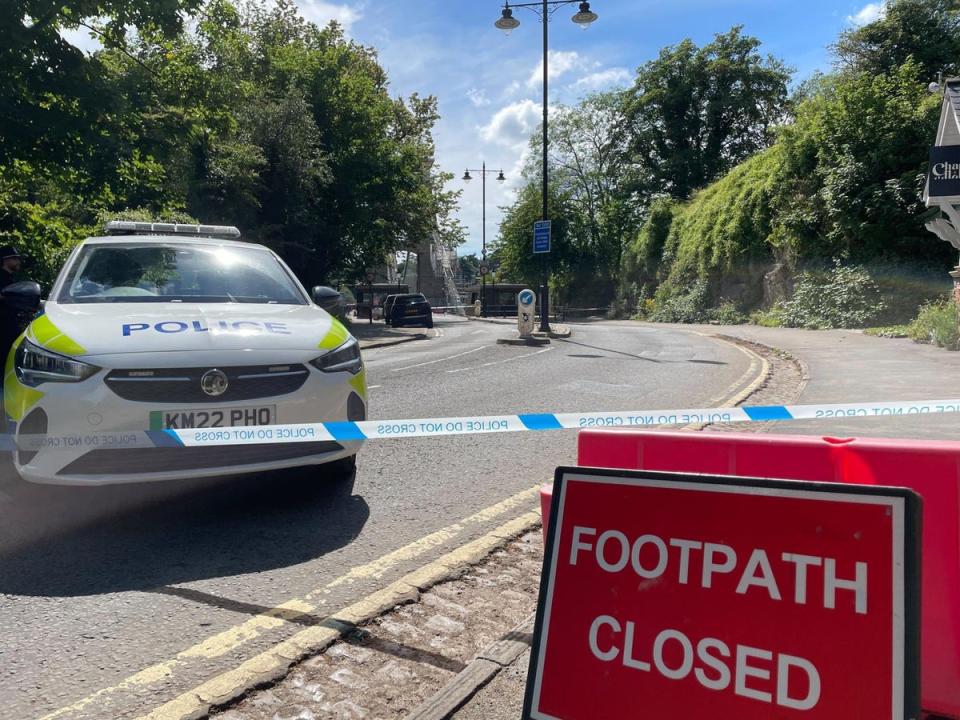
(176, 581)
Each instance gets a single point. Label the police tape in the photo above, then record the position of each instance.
(344, 431)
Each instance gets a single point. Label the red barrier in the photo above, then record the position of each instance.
(930, 468)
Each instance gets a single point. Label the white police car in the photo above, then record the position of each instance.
(158, 327)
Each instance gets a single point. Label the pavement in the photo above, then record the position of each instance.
(117, 602)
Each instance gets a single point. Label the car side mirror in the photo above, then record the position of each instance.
(23, 296)
(329, 299)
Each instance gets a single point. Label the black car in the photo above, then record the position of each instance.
(410, 310)
(388, 307)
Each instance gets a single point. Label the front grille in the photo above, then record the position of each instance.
(182, 385)
(135, 461)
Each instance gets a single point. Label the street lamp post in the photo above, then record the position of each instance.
(483, 181)
(507, 22)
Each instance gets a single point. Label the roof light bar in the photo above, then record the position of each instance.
(128, 227)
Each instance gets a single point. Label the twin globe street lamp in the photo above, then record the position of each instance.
(508, 22)
(483, 271)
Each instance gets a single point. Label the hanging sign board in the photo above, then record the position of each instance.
(943, 177)
(726, 598)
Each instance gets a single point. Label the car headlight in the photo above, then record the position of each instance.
(34, 366)
(345, 358)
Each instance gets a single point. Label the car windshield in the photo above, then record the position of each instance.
(171, 272)
(410, 299)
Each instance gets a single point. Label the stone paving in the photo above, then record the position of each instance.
(386, 668)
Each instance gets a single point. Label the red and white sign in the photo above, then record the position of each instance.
(726, 598)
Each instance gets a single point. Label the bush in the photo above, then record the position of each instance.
(843, 297)
(726, 314)
(889, 331)
(766, 318)
(688, 307)
(937, 324)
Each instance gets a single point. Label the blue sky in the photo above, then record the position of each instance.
(488, 85)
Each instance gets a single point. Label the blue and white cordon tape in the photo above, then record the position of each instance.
(475, 425)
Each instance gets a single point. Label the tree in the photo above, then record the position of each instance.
(570, 259)
(858, 152)
(52, 98)
(469, 267)
(589, 166)
(694, 113)
(252, 116)
(926, 31)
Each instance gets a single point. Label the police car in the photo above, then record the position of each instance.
(157, 327)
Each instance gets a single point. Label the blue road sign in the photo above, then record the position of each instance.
(541, 236)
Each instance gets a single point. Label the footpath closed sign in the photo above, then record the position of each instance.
(726, 598)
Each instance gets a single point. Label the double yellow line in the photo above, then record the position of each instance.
(274, 662)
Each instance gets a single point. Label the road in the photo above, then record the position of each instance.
(177, 581)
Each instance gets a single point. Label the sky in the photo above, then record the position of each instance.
(488, 83)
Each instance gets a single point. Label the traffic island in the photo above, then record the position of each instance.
(530, 340)
(538, 337)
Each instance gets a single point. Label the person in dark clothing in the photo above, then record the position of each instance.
(9, 316)
(9, 265)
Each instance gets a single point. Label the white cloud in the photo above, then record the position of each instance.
(511, 126)
(604, 79)
(321, 12)
(478, 97)
(868, 13)
(560, 62)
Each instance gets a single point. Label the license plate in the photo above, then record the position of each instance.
(412, 311)
(212, 418)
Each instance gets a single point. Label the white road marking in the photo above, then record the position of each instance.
(450, 357)
(501, 362)
(478, 332)
(374, 387)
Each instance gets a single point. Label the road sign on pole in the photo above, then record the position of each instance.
(696, 596)
(541, 236)
(484, 270)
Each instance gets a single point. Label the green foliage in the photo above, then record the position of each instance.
(689, 306)
(513, 250)
(643, 257)
(889, 331)
(938, 324)
(858, 151)
(726, 314)
(696, 112)
(844, 180)
(727, 224)
(766, 318)
(590, 170)
(252, 117)
(927, 32)
(842, 297)
(469, 267)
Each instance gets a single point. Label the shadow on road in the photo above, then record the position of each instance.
(227, 527)
(631, 355)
